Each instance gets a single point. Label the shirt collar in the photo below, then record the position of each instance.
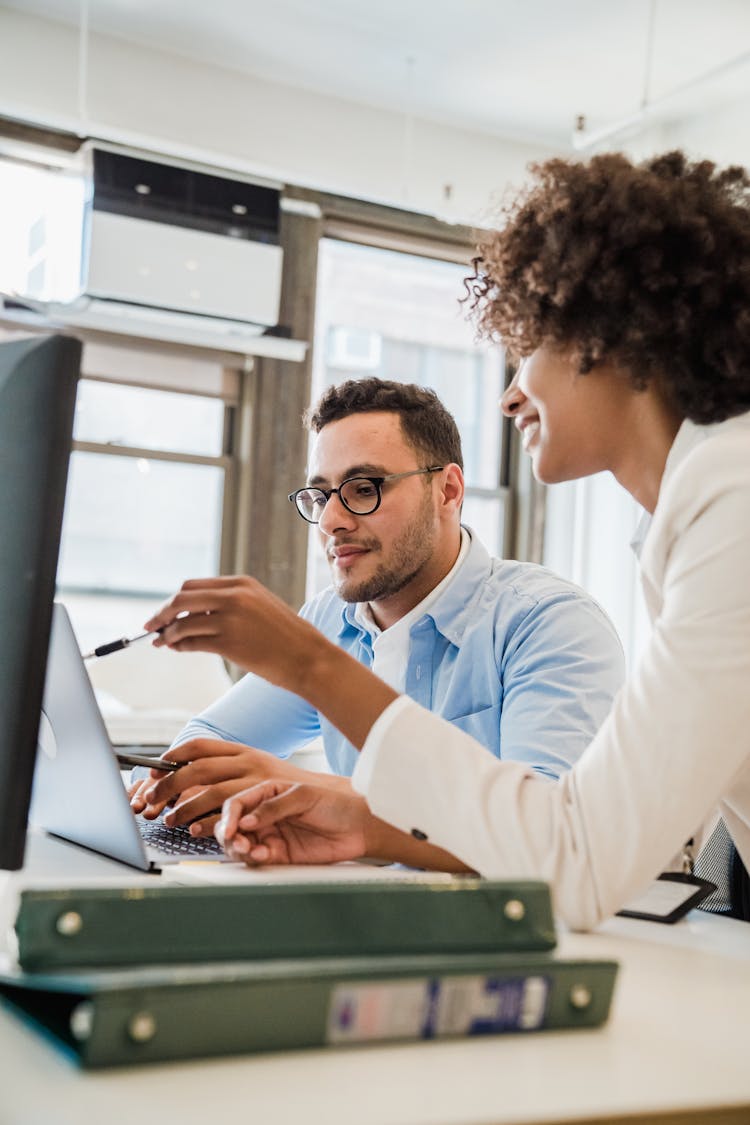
(453, 606)
(640, 533)
(363, 617)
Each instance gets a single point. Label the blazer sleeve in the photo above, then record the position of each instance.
(675, 740)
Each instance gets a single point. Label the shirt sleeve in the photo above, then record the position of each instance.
(256, 713)
(561, 670)
(673, 744)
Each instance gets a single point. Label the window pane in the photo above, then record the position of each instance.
(398, 316)
(177, 423)
(588, 526)
(40, 231)
(139, 526)
(485, 515)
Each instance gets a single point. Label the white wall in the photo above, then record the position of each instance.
(181, 107)
(721, 134)
(174, 105)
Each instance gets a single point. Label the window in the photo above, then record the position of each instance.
(397, 316)
(40, 231)
(145, 492)
(588, 526)
(147, 507)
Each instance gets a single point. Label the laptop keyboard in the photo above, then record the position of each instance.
(177, 840)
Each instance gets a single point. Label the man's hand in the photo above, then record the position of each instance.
(281, 822)
(214, 771)
(241, 620)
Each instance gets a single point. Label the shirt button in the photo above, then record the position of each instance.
(418, 834)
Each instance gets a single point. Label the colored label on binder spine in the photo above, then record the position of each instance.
(432, 1008)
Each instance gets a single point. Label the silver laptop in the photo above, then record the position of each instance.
(78, 791)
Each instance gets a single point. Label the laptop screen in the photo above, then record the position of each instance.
(78, 792)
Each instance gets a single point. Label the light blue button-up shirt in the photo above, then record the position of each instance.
(524, 661)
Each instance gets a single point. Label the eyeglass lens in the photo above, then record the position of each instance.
(359, 495)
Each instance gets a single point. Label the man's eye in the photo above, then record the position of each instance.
(364, 489)
(312, 498)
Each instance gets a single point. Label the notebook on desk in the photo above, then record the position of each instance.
(78, 791)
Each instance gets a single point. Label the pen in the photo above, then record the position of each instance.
(148, 760)
(116, 646)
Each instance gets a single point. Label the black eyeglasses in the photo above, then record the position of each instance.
(360, 495)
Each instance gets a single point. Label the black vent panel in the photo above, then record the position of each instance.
(166, 193)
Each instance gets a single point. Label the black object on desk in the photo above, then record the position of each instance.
(151, 761)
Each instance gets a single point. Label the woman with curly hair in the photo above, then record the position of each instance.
(624, 290)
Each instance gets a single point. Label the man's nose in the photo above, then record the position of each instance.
(512, 398)
(335, 517)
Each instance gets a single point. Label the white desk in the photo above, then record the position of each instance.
(676, 1043)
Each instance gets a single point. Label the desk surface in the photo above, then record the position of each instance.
(676, 1043)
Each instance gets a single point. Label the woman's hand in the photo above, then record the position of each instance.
(280, 822)
(213, 771)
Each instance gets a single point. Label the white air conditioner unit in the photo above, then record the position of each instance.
(173, 252)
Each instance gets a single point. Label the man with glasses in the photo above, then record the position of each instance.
(522, 660)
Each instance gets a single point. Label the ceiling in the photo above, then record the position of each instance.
(515, 68)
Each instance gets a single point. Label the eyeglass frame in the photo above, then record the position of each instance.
(378, 483)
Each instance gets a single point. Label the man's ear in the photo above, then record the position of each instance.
(452, 488)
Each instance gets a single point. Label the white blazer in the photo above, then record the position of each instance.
(674, 748)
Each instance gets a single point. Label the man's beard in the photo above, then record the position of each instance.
(408, 555)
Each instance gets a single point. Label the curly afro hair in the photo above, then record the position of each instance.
(647, 265)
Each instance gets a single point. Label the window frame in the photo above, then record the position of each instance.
(431, 238)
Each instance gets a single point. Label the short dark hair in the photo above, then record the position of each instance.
(644, 264)
(428, 427)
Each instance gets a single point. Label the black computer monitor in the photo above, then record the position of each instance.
(38, 379)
